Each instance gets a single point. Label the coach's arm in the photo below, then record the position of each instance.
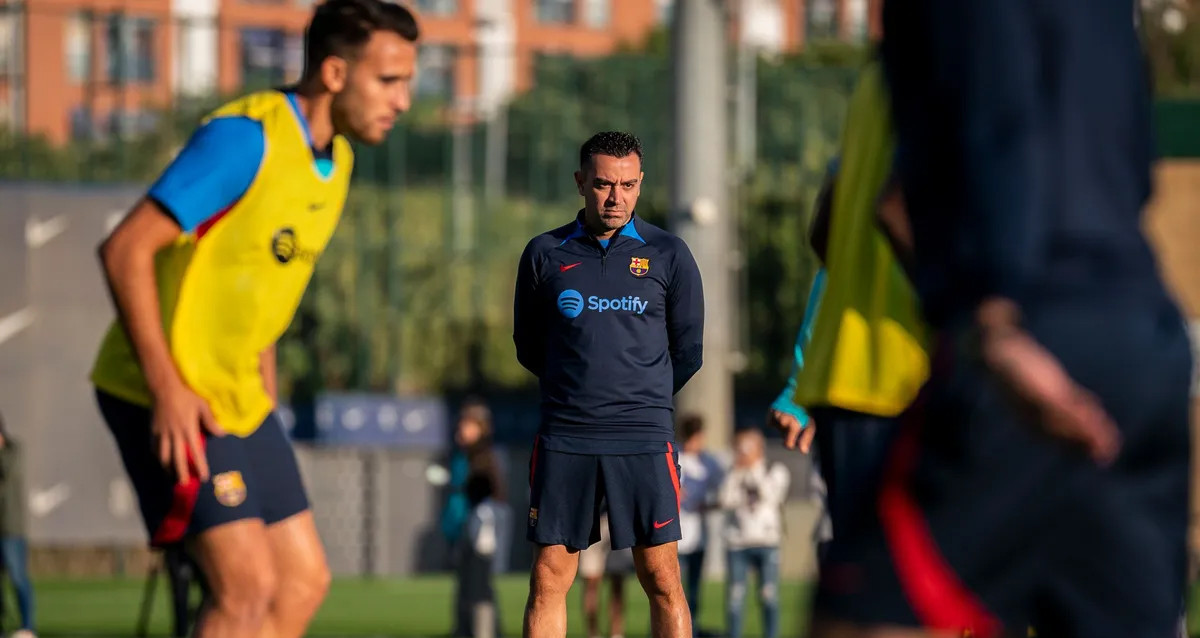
(685, 316)
(529, 334)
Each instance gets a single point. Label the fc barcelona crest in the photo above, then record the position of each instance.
(639, 266)
(229, 488)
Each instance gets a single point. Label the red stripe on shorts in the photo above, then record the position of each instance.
(674, 474)
(940, 600)
(174, 526)
(533, 460)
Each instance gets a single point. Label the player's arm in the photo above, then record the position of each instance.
(268, 368)
(206, 176)
(968, 112)
(971, 94)
(785, 415)
(529, 335)
(685, 317)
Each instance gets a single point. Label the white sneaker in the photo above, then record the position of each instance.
(22, 633)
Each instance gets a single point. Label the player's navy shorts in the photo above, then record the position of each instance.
(255, 477)
(983, 523)
(568, 492)
(851, 448)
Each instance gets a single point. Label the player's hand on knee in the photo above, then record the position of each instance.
(179, 415)
(1038, 382)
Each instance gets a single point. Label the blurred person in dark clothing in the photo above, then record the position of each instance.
(13, 515)
(476, 596)
(700, 476)
(1042, 476)
(474, 457)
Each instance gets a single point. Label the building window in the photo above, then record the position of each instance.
(130, 49)
(435, 72)
(270, 57)
(822, 19)
(556, 11)
(132, 123)
(856, 19)
(83, 127)
(437, 7)
(9, 21)
(664, 9)
(78, 44)
(596, 13)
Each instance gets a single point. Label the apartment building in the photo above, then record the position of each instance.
(75, 69)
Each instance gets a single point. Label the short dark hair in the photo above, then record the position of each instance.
(690, 425)
(341, 27)
(611, 143)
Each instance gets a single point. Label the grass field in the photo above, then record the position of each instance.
(408, 608)
(401, 608)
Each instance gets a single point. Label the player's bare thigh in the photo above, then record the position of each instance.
(236, 558)
(299, 556)
(300, 564)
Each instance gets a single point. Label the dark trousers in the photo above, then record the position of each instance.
(851, 448)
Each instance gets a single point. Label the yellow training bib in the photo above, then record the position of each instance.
(230, 288)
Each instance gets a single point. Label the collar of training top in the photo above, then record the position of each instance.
(628, 230)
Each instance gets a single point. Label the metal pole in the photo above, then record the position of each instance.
(700, 203)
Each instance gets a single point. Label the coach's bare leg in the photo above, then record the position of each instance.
(236, 560)
(549, 581)
(303, 575)
(658, 571)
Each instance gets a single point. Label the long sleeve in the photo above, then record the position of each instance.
(967, 80)
(685, 317)
(528, 333)
(784, 402)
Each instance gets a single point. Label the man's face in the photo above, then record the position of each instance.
(469, 432)
(373, 88)
(748, 449)
(610, 187)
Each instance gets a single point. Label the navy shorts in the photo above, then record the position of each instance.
(568, 492)
(255, 477)
(851, 448)
(983, 523)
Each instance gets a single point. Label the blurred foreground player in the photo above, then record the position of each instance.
(609, 315)
(206, 272)
(1042, 476)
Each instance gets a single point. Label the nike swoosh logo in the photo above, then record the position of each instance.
(39, 233)
(566, 267)
(658, 525)
(316, 206)
(12, 324)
